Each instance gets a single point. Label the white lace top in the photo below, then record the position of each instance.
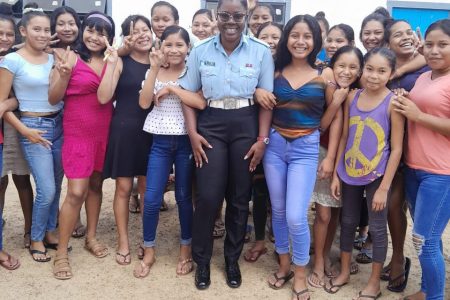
(167, 118)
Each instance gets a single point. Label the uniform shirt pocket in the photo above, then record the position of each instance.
(208, 76)
(250, 77)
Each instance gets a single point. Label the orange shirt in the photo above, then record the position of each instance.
(429, 150)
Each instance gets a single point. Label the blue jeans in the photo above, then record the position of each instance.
(46, 168)
(290, 168)
(1, 212)
(167, 150)
(428, 197)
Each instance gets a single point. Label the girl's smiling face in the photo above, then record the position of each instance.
(66, 29)
(94, 40)
(271, 35)
(346, 69)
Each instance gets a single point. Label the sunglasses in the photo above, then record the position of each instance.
(224, 16)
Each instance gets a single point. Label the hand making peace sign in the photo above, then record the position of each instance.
(62, 63)
(130, 40)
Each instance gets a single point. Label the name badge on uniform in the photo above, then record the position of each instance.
(248, 65)
(209, 63)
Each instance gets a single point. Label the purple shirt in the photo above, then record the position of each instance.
(368, 144)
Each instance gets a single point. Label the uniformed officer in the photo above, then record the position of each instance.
(226, 139)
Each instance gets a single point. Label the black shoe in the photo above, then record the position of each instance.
(233, 273)
(202, 280)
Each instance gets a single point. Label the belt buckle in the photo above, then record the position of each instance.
(229, 103)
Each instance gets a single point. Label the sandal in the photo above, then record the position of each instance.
(298, 294)
(333, 288)
(42, 260)
(285, 279)
(96, 248)
(219, 229)
(144, 269)
(400, 287)
(79, 231)
(10, 263)
(361, 295)
(134, 205)
(184, 263)
(253, 255)
(354, 268)
(27, 239)
(61, 265)
(315, 281)
(122, 259)
(365, 256)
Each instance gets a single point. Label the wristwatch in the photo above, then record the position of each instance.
(263, 139)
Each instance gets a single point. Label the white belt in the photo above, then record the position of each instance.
(230, 103)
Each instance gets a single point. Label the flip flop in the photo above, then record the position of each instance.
(79, 232)
(385, 273)
(254, 258)
(298, 294)
(123, 262)
(331, 290)
(33, 251)
(8, 263)
(401, 287)
(314, 284)
(145, 269)
(361, 295)
(182, 264)
(285, 279)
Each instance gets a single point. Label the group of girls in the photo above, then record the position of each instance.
(332, 129)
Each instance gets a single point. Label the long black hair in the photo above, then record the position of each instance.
(101, 23)
(284, 57)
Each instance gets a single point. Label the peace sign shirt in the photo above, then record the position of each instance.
(368, 144)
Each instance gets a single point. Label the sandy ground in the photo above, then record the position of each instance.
(105, 279)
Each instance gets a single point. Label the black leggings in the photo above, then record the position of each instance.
(352, 201)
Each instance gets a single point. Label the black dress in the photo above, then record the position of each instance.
(129, 145)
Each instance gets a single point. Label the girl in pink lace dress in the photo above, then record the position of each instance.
(76, 79)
